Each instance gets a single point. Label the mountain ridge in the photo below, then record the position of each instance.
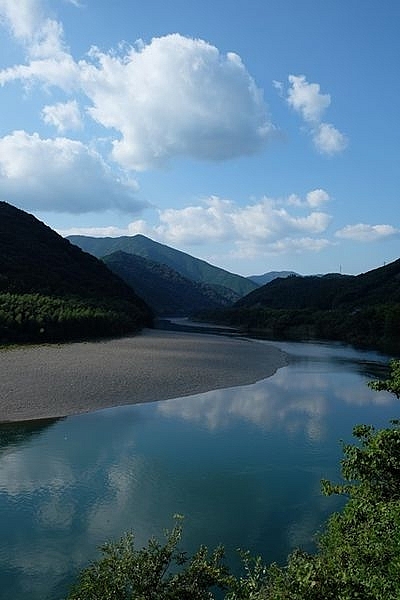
(190, 267)
(175, 295)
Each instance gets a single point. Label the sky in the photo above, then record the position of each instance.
(258, 135)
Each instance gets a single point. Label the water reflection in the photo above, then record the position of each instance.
(12, 434)
(295, 399)
(243, 465)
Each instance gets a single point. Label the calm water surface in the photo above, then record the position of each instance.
(242, 464)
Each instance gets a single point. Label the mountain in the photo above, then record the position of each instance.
(164, 289)
(43, 273)
(379, 286)
(192, 268)
(296, 292)
(270, 276)
(363, 310)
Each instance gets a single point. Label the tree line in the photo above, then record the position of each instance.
(40, 318)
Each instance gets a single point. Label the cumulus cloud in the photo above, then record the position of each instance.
(367, 233)
(175, 96)
(306, 99)
(219, 220)
(59, 175)
(63, 115)
(328, 140)
(313, 199)
(262, 228)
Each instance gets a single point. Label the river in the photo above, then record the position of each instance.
(243, 466)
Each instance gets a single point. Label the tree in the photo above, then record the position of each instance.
(156, 572)
(392, 383)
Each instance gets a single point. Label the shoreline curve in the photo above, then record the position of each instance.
(49, 381)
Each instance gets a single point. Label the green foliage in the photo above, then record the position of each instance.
(366, 327)
(38, 318)
(156, 572)
(392, 384)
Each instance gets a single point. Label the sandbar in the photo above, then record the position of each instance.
(56, 380)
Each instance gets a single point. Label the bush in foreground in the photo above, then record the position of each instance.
(358, 553)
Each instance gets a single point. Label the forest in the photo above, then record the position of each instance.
(362, 310)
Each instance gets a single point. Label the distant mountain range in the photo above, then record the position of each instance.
(327, 292)
(270, 276)
(51, 289)
(228, 286)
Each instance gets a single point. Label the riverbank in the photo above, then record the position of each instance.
(46, 381)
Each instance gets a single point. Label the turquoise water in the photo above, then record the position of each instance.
(243, 465)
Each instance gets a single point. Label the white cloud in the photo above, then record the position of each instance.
(367, 233)
(63, 115)
(306, 99)
(175, 96)
(59, 175)
(41, 36)
(23, 18)
(219, 220)
(49, 60)
(328, 140)
(262, 228)
(317, 197)
(314, 199)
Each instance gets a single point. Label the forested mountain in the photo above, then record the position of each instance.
(50, 287)
(359, 309)
(164, 289)
(188, 266)
(270, 276)
(330, 291)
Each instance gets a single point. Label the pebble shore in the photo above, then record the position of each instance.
(46, 381)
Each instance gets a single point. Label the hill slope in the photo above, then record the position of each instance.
(379, 286)
(163, 288)
(188, 266)
(363, 310)
(37, 263)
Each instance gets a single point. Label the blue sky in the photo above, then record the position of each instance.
(258, 135)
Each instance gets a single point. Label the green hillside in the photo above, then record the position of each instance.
(50, 289)
(164, 289)
(188, 266)
(362, 310)
(379, 286)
